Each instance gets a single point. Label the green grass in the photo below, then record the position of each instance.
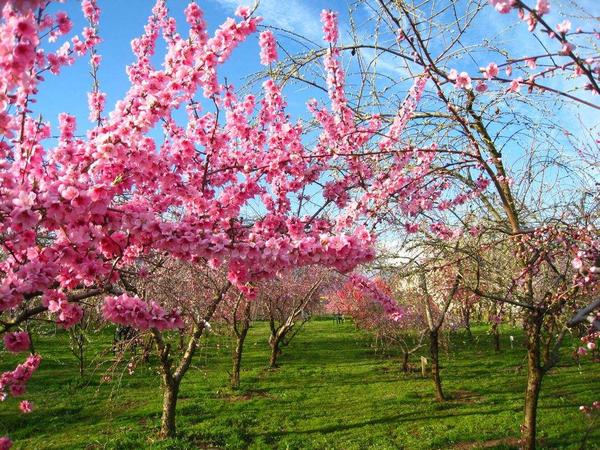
(331, 391)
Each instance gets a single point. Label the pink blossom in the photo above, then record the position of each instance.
(330, 28)
(69, 192)
(400, 35)
(268, 47)
(193, 14)
(128, 310)
(63, 22)
(17, 341)
(502, 6)
(69, 314)
(515, 85)
(96, 101)
(15, 380)
(463, 81)
(564, 26)
(566, 48)
(481, 87)
(243, 11)
(5, 443)
(372, 291)
(411, 227)
(542, 7)
(26, 406)
(90, 10)
(491, 71)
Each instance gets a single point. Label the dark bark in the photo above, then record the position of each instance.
(434, 350)
(237, 355)
(81, 363)
(275, 343)
(172, 375)
(170, 395)
(405, 356)
(496, 337)
(535, 375)
(467, 319)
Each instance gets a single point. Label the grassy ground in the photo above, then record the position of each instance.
(331, 391)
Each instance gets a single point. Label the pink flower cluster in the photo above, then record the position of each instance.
(491, 71)
(96, 101)
(504, 6)
(26, 406)
(330, 29)
(591, 408)
(374, 293)
(461, 80)
(15, 380)
(18, 341)
(268, 47)
(91, 11)
(133, 311)
(5, 443)
(100, 202)
(68, 314)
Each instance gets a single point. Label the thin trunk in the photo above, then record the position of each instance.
(81, 362)
(405, 361)
(434, 349)
(466, 310)
(535, 374)
(496, 337)
(237, 356)
(469, 332)
(170, 394)
(275, 351)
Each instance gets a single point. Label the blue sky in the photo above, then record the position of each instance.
(121, 21)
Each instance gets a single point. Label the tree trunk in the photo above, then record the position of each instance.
(405, 362)
(534, 382)
(237, 358)
(496, 337)
(81, 363)
(434, 350)
(467, 317)
(275, 351)
(170, 394)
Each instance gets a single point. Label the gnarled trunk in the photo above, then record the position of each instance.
(434, 350)
(275, 351)
(170, 394)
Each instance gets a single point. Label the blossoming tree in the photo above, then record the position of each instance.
(228, 186)
(507, 120)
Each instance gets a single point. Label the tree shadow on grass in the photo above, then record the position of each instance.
(392, 419)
